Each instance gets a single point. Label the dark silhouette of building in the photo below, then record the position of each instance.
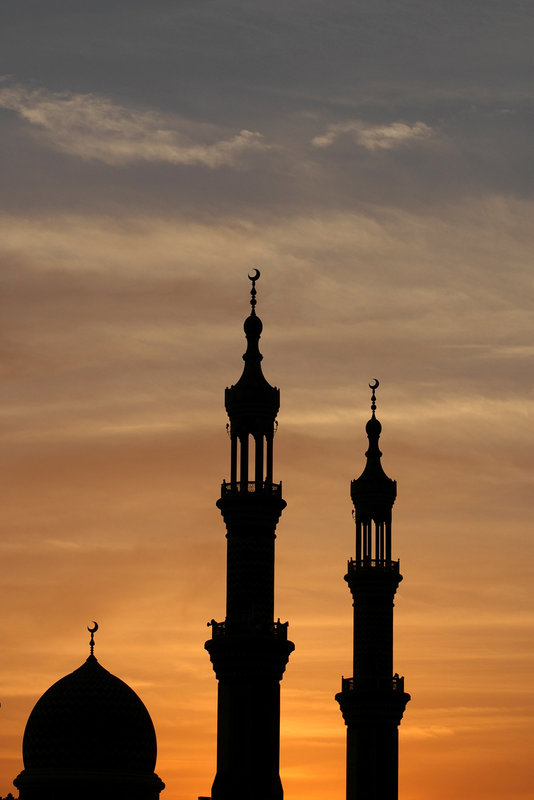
(89, 737)
(249, 650)
(373, 700)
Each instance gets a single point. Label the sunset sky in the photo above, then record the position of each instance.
(374, 159)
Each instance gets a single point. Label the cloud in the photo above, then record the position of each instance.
(106, 319)
(94, 128)
(375, 137)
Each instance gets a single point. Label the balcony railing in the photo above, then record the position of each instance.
(252, 487)
(351, 684)
(373, 563)
(277, 629)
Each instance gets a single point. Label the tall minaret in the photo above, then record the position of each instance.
(249, 651)
(373, 700)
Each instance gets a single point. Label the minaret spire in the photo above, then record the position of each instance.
(373, 700)
(253, 328)
(249, 650)
(373, 427)
(374, 386)
(253, 292)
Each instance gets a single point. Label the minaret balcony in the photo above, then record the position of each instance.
(354, 565)
(251, 487)
(396, 684)
(278, 629)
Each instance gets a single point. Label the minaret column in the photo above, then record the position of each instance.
(373, 700)
(250, 650)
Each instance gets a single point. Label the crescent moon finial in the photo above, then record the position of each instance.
(92, 631)
(376, 384)
(255, 276)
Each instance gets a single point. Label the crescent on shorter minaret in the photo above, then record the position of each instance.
(256, 276)
(376, 384)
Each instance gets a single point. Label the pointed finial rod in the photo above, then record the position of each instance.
(374, 386)
(253, 278)
(92, 631)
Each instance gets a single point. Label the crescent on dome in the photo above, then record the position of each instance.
(94, 628)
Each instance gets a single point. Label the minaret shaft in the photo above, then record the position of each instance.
(250, 575)
(373, 635)
(373, 700)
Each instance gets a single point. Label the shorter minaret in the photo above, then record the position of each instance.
(373, 700)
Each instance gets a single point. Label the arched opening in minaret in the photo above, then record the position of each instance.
(269, 458)
(234, 454)
(242, 460)
(258, 461)
(373, 542)
(247, 461)
(251, 461)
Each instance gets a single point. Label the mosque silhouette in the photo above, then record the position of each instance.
(90, 736)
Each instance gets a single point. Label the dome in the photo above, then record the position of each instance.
(90, 720)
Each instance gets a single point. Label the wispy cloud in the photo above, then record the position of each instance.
(92, 127)
(374, 137)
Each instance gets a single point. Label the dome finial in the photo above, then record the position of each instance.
(92, 631)
(253, 278)
(373, 387)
